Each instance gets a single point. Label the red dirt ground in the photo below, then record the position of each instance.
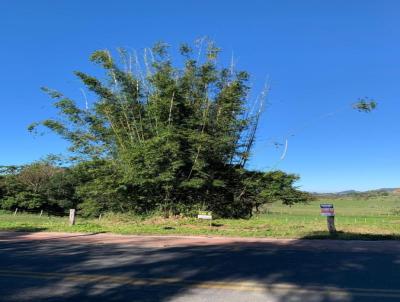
(187, 241)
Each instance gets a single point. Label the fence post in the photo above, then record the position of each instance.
(41, 213)
(330, 221)
(71, 216)
(15, 212)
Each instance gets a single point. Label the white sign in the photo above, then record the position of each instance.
(204, 215)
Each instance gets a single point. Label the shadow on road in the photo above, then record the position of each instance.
(24, 229)
(351, 236)
(61, 271)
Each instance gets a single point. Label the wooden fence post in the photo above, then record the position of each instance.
(330, 220)
(71, 216)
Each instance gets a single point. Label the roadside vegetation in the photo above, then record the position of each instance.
(375, 218)
(153, 142)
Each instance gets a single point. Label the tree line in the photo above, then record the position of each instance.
(96, 187)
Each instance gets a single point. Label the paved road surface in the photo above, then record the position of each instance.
(101, 267)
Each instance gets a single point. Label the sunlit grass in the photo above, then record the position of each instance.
(355, 219)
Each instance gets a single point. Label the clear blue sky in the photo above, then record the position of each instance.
(320, 56)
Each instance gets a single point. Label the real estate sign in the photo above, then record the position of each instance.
(327, 209)
(204, 215)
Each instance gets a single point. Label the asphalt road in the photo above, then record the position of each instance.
(80, 268)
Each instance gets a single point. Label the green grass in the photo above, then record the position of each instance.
(356, 219)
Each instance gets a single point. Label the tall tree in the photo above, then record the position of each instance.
(173, 136)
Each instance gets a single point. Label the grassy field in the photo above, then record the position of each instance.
(375, 218)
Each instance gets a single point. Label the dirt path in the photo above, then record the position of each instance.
(185, 241)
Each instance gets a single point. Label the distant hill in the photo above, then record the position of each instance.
(354, 192)
(348, 192)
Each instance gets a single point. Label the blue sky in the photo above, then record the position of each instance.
(319, 56)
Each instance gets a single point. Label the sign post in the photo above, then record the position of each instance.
(328, 211)
(205, 215)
